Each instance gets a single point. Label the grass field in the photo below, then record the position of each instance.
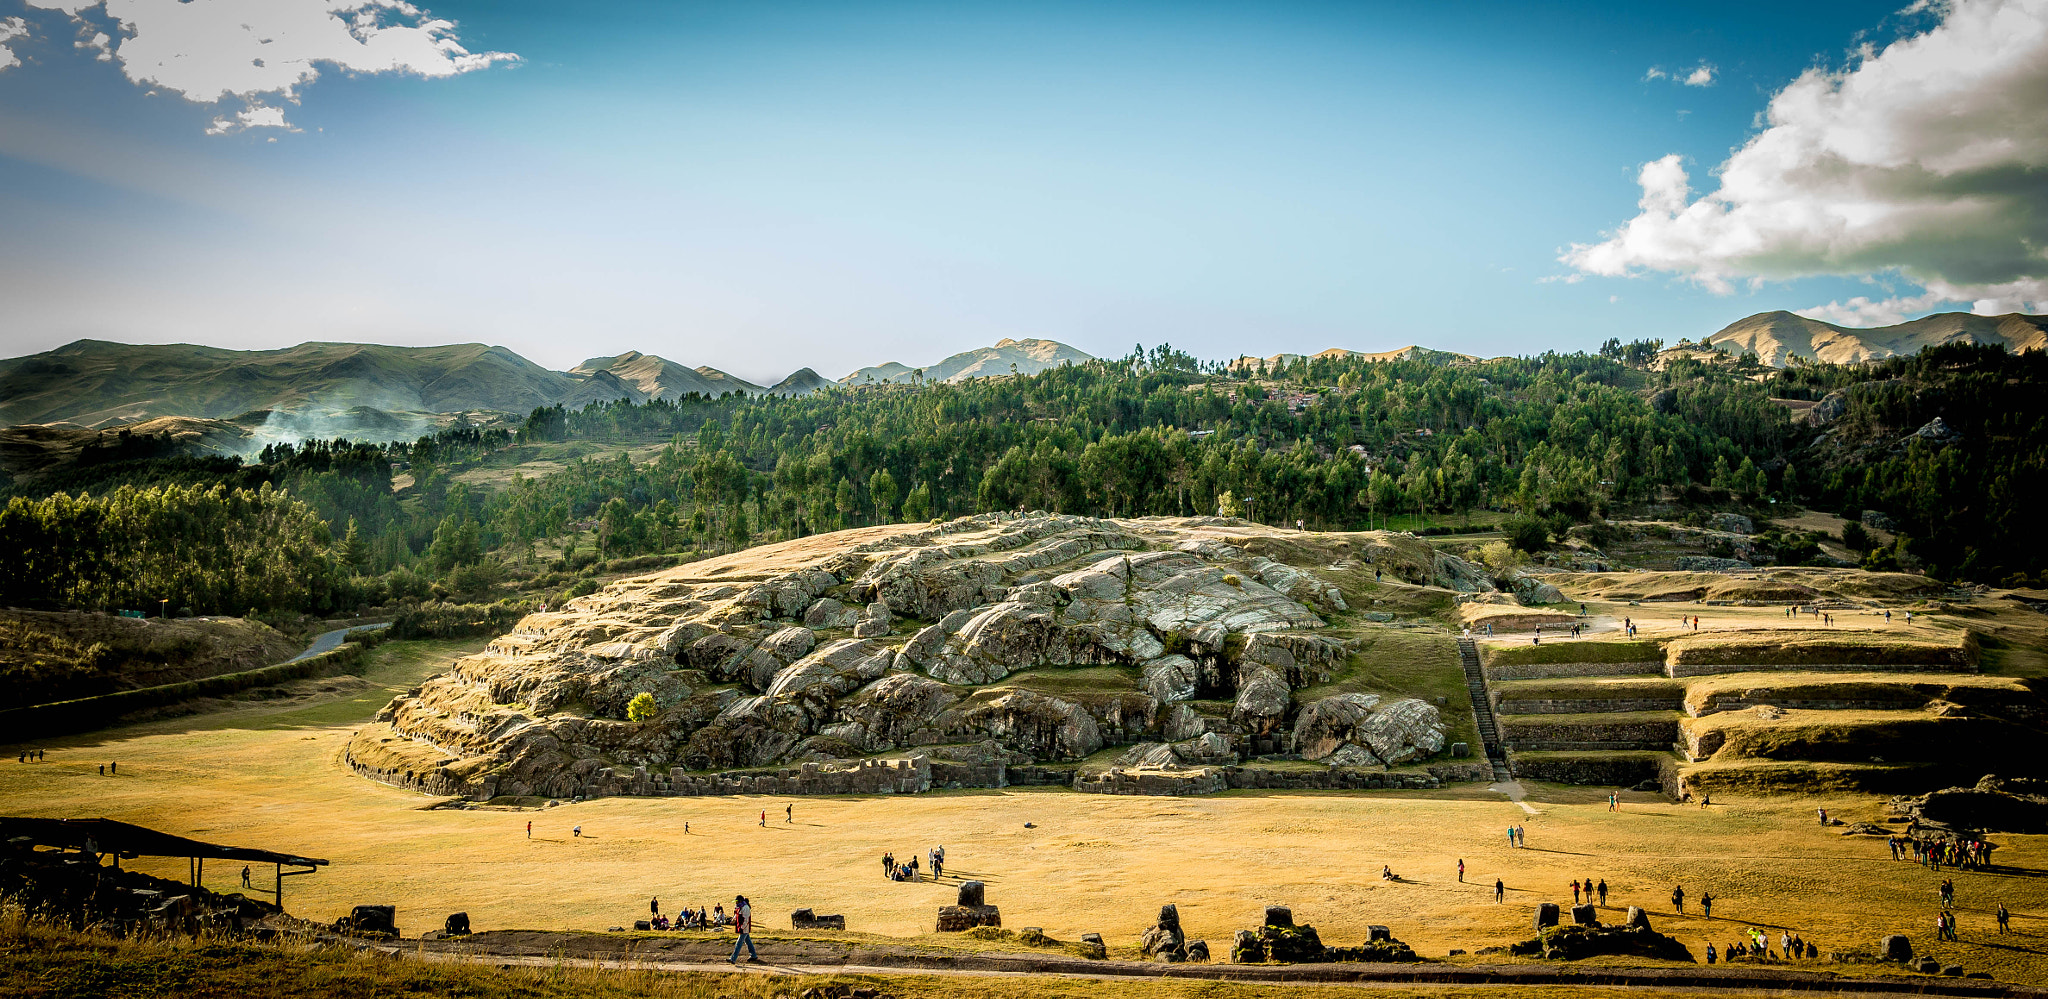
(270, 777)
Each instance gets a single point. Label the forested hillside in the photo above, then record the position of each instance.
(1549, 441)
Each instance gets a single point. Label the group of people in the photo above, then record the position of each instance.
(1590, 890)
(1758, 945)
(1517, 836)
(30, 756)
(699, 918)
(935, 859)
(1967, 854)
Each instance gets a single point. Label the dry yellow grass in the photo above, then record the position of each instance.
(1087, 863)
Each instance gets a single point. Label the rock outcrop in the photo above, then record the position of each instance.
(908, 637)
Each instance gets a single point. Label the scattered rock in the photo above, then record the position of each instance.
(1546, 914)
(456, 925)
(1165, 941)
(805, 919)
(1572, 943)
(1092, 946)
(1895, 947)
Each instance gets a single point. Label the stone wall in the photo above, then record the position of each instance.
(1147, 780)
(1555, 671)
(1528, 734)
(1683, 669)
(1584, 706)
(1616, 770)
(1734, 701)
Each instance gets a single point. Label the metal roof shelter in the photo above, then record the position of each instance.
(102, 837)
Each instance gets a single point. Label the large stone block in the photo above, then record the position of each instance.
(1546, 914)
(1895, 947)
(1585, 915)
(956, 918)
(972, 894)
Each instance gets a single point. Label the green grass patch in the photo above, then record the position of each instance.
(1805, 647)
(1584, 650)
(1596, 688)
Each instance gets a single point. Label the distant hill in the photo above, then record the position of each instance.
(1408, 353)
(97, 383)
(651, 377)
(1777, 336)
(802, 381)
(1025, 357)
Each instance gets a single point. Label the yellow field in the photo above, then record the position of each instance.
(270, 778)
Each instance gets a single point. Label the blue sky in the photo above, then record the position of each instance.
(763, 186)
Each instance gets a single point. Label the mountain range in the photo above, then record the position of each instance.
(1776, 337)
(1024, 357)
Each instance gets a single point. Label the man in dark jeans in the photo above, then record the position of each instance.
(743, 924)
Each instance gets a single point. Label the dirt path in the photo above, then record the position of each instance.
(781, 958)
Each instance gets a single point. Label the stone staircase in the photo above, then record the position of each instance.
(1482, 708)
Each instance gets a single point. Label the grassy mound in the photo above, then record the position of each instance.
(1796, 648)
(1584, 650)
(1869, 736)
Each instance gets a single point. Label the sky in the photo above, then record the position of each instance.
(762, 186)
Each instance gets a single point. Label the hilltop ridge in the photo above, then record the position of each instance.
(1775, 337)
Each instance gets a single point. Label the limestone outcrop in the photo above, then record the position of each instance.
(1049, 636)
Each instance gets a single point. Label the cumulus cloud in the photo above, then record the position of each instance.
(1701, 75)
(1921, 160)
(262, 51)
(11, 28)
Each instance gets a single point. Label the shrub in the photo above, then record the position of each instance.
(641, 707)
(1856, 538)
(1526, 533)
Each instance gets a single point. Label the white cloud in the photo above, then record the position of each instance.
(260, 51)
(100, 43)
(1701, 75)
(256, 116)
(1920, 159)
(11, 28)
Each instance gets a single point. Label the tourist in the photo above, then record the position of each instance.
(743, 924)
(1823, 815)
(103, 770)
(577, 832)
(764, 818)
(789, 811)
(1613, 801)
(1500, 891)
(1710, 953)
(1678, 899)
(1602, 889)
(1575, 892)
(114, 767)
(245, 876)
(1461, 870)
(888, 864)
(1387, 873)
(654, 906)
(529, 828)
(1511, 836)
(1522, 836)
(1887, 617)
(2004, 919)
(1707, 904)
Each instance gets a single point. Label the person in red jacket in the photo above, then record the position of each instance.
(743, 924)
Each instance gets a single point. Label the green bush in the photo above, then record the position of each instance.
(1528, 534)
(641, 707)
(446, 620)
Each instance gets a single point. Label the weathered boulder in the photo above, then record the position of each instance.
(1546, 914)
(835, 670)
(1262, 698)
(1895, 947)
(805, 919)
(1829, 409)
(826, 612)
(875, 622)
(1170, 678)
(1585, 915)
(1296, 584)
(1198, 951)
(972, 894)
(1572, 943)
(1164, 941)
(1532, 590)
(1363, 729)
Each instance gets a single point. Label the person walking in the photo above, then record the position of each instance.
(2004, 919)
(245, 876)
(743, 924)
(1511, 836)
(1522, 836)
(1575, 891)
(114, 767)
(789, 812)
(1602, 888)
(103, 770)
(529, 828)
(654, 906)
(764, 818)
(1461, 870)
(1707, 904)
(1678, 899)
(1500, 891)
